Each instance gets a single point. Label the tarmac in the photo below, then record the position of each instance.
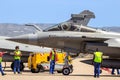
(81, 71)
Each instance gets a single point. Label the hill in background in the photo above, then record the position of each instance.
(8, 29)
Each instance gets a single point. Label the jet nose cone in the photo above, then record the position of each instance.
(27, 39)
(21, 39)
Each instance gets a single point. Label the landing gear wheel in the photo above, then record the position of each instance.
(66, 71)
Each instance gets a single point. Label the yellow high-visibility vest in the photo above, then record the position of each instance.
(53, 55)
(98, 57)
(17, 57)
(0, 59)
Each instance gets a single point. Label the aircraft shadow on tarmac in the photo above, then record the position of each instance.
(86, 75)
(107, 63)
(87, 61)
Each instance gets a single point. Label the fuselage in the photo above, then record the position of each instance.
(74, 41)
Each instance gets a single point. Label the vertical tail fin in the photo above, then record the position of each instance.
(81, 19)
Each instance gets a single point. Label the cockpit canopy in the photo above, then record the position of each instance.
(70, 27)
(62, 27)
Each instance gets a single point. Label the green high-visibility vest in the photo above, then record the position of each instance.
(0, 59)
(53, 55)
(17, 57)
(98, 57)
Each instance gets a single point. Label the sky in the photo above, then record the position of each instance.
(107, 12)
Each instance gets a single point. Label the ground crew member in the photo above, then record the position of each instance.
(97, 59)
(1, 55)
(53, 59)
(17, 59)
(113, 70)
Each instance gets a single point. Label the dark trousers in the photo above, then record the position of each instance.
(52, 66)
(1, 69)
(96, 69)
(113, 70)
(17, 66)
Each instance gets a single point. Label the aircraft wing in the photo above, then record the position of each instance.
(10, 46)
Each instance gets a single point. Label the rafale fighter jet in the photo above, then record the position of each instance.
(75, 36)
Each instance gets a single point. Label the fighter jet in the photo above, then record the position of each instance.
(82, 39)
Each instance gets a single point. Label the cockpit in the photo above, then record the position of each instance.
(62, 27)
(70, 27)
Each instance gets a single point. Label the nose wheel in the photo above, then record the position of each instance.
(66, 71)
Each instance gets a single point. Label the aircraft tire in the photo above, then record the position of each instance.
(66, 71)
